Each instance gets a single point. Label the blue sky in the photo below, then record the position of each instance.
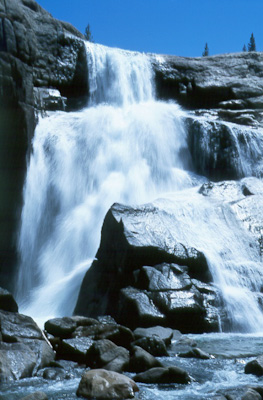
(180, 27)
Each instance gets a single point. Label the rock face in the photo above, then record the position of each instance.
(37, 52)
(227, 81)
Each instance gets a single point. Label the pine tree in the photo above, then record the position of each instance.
(244, 48)
(252, 43)
(206, 51)
(88, 34)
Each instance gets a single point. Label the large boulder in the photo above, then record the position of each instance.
(143, 274)
(163, 375)
(101, 384)
(105, 354)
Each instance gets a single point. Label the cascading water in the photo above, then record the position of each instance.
(124, 147)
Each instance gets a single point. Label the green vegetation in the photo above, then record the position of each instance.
(206, 51)
(88, 34)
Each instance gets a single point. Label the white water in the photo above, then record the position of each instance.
(124, 147)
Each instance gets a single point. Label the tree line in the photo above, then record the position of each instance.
(250, 47)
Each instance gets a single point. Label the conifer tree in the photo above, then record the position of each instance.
(252, 43)
(244, 48)
(206, 51)
(88, 34)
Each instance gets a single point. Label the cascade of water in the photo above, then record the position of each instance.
(123, 147)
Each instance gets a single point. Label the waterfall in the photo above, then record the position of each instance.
(123, 147)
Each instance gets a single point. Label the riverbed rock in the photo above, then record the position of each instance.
(62, 327)
(153, 345)
(255, 367)
(141, 360)
(17, 361)
(118, 334)
(166, 334)
(105, 354)
(195, 353)
(74, 349)
(251, 394)
(101, 384)
(163, 375)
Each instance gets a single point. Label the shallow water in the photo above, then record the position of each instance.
(222, 374)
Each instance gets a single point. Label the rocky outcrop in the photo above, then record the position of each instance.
(146, 273)
(226, 81)
(37, 53)
(144, 277)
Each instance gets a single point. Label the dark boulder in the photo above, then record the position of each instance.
(255, 367)
(101, 384)
(141, 360)
(163, 375)
(105, 354)
(7, 301)
(74, 349)
(62, 327)
(141, 279)
(153, 345)
(166, 334)
(195, 353)
(251, 394)
(118, 334)
(16, 326)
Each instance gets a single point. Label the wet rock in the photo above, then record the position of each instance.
(136, 308)
(17, 361)
(140, 276)
(141, 360)
(163, 375)
(163, 277)
(101, 384)
(54, 374)
(251, 394)
(36, 396)
(105, 354)
(45, 354)
(15, 326)
(195, 353)
(62, 327)
(7, 301)
(153, 345)
(255, 367)
(118, 334)
(75, 349)
(166, 334)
